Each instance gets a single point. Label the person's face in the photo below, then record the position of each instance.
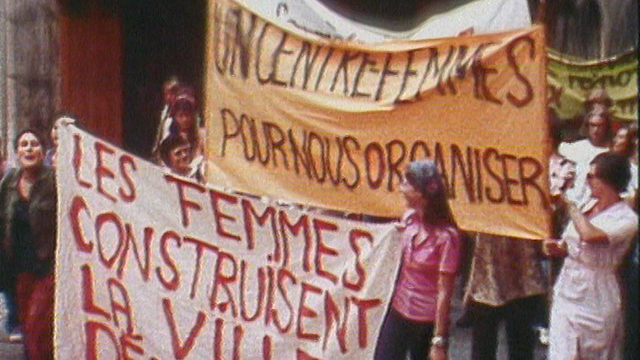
(620, 141)
(184, 118)
(30, 151)
(412, 196)
(180, 158)
(597, 130)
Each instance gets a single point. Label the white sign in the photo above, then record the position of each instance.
(154, 266)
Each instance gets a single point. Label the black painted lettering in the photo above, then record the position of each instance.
(509, 181)
(275, 140)
(356, 170)
(511, 58)
(386, 72)
(466, 171)
(366, 61)
(489, 192)
(343, 68)
(374, 160)
(394, 162)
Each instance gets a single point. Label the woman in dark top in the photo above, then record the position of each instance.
(27, 242)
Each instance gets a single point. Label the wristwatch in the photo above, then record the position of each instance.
(439, 341)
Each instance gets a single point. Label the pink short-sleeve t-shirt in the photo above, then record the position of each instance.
(427, 251)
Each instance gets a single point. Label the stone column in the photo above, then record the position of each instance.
(29, 65)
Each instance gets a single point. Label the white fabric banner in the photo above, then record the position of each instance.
(480, 16)
(153, 266)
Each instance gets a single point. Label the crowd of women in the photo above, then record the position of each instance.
(594, 190)
(592, 312)
(593, 300)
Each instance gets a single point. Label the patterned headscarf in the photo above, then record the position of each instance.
(426, 177)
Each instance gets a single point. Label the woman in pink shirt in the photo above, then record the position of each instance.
(417, 322)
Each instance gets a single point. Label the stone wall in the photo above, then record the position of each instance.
(29, 75)
(590, 29)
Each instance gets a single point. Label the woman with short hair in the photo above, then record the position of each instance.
(626, 143)
(586, 315)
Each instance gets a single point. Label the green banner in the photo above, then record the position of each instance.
(570, 81)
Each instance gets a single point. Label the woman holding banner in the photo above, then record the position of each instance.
(417, 322)
(28, 203)
(586, 314)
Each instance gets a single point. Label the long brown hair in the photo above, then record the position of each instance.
(424, 176)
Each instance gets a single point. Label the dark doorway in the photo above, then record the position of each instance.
(161, 38)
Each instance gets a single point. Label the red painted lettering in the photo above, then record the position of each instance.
(77, 161)
(127, 163)
(306, 312)
(201, 246)
(101, 170)
(331, 314)
(302, 223)
(88, 305)
(354, 235)
(123, 307)
(222, 281)
(260, 296)
(101, 220)
(78, 204)
(168, 260)
(91, 330)
(363, 329)
(250, 213)
(184, 202)
(181, 350)
(283, 275)
(219, 215)
(322, 249)
(302, 355)
(143, 265)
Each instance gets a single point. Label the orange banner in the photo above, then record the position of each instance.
(332, 123)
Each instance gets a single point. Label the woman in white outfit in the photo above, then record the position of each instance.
(586, 316)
